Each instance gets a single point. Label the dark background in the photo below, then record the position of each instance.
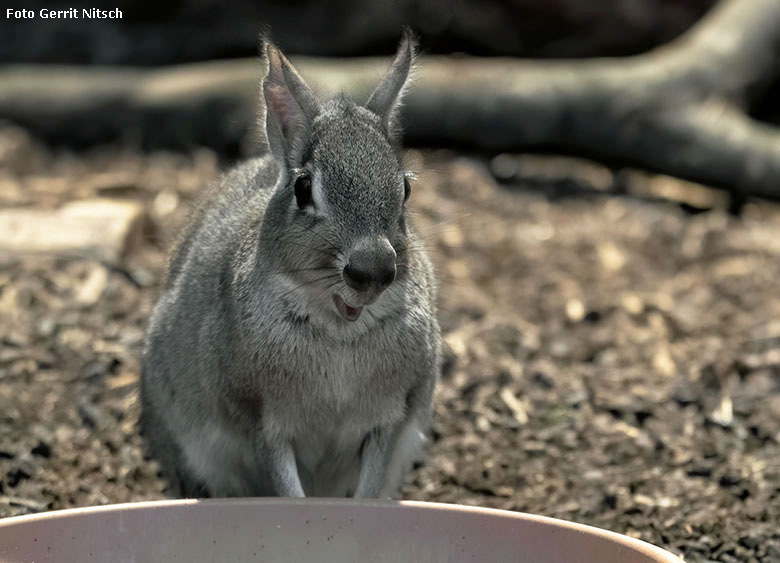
(177, 31)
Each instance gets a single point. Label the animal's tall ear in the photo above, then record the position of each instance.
(386, 99)
(289, 105)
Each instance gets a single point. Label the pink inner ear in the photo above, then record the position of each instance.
(281, 104)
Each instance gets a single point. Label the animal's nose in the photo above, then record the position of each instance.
(361, 279)
(370, 266)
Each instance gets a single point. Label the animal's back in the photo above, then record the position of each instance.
(237, 196)
(185, 324)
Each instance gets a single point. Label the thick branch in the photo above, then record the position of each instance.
(734, 47)
(657, 110)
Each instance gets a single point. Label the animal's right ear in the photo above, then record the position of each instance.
(289, 104)
(386, 99)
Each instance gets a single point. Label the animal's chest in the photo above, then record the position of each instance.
(338, 395)
(345, 386)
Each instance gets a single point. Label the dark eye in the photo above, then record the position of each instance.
(303, 191)
(407, 188)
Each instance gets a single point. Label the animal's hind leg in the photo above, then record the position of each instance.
(223, 461)
(159, 445)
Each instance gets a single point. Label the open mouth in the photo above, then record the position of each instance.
(348, 312)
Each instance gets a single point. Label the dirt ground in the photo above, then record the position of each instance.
(613, 346)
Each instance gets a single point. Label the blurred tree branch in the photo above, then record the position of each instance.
(679, 109)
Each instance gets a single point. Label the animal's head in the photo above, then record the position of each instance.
(340, 232)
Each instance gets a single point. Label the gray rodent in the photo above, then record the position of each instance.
(295, 348)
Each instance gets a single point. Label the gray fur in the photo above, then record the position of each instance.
(252, 383)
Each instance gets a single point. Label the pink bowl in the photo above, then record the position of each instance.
(311, 530)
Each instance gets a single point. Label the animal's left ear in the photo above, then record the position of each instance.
(386, 99)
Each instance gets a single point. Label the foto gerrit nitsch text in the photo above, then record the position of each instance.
(69, 13)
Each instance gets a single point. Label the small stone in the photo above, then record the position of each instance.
(46, 326)
(632, 303)
(143, 276)
(165, 203)
(611, 257)
(575, 310)
(483, 424)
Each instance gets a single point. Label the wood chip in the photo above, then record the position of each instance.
(92, 288)
(724, 414)
(516, 406)
(100, 229)
(30, 504)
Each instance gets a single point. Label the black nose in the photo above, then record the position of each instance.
(360, 280)
(370, 267)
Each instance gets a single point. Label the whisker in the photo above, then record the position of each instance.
(328, 254)
(302, 270)
(323, 278)
(438, 275)
(310, 229)
(447, 222)
(326, 289)
(416, 246)
(421, 248)
(425, 235)
(463, 228)
(393, 290)
(434, 231)
(429, 235)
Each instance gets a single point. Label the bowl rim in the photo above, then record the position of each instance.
(627, 541)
